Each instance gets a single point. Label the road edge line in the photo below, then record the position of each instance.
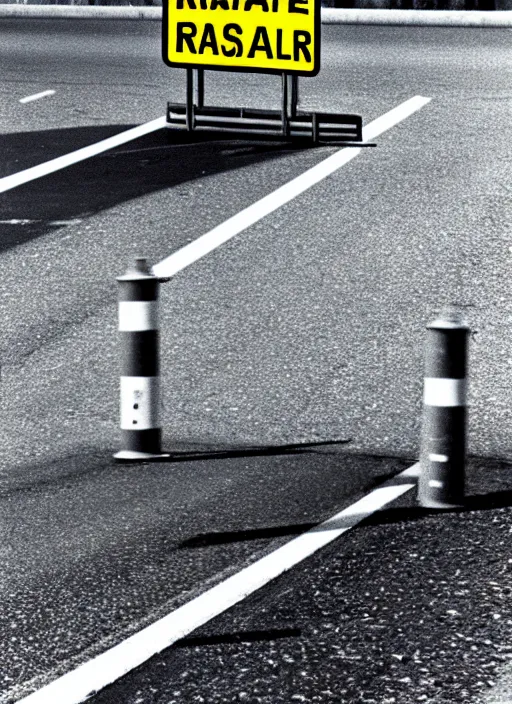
(419, 18)
(106, 668)
(79, 12)
(392, 17)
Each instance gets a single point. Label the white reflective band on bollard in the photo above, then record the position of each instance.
(139, 402)
(137, 316)
(438, 458)
(445, 393)
(435, 483)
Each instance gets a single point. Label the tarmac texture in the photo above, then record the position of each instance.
(292, 365)
(412, 606)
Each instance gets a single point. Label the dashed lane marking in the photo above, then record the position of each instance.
(55, 223)
(197, 249)
(61, 162)
(94, 675)
(37, 96)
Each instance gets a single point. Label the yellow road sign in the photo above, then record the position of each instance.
(272, 36)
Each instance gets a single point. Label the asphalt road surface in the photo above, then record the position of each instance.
(291, 371)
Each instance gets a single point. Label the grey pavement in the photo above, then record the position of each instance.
(306, 329)
(411, 606)
(94, 556)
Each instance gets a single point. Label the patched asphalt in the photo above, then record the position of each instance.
(410, 606)
(95, 555)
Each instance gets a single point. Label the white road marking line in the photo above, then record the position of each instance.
(92, 676)
(30, 98)
(197, 249)
(270, 202)
(61, 162)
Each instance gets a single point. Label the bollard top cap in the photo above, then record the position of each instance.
(449, 319)
(139, 270)
(141, 266)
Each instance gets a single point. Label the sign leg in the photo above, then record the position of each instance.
(199, 87)
(294, 95)
(190, 100)
(284, 105)
(315, 127)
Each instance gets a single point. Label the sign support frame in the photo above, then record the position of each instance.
(288, 123)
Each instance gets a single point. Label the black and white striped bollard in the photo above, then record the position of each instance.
(443, 445)
(140, 381)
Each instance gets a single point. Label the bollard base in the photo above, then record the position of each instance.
(133, 456)
(439, 505)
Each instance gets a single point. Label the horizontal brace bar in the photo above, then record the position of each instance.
(276, 133)
(202, 120)
(338, 125)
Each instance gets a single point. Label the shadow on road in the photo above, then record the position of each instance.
(158, 161)
(393, 515)
(484, 502)
(240, 637)
(263, 451)
(479, 502)
(236, 536)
